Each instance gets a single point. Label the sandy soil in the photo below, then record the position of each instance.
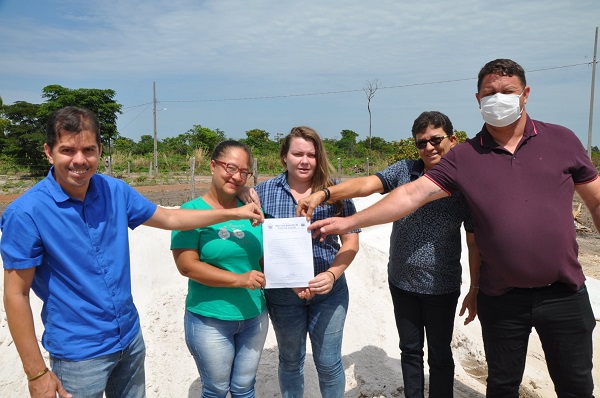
(175, 195)
(370, 348)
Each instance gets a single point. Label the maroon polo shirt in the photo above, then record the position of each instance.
(522, 204)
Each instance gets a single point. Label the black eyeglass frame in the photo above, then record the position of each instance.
(434, 141)
(232, 169)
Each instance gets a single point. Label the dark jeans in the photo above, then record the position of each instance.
(418, 315)
(564, 322)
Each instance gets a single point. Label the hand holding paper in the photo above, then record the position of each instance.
(288, 252)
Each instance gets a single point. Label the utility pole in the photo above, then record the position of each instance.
(589, 146)
(155, 142)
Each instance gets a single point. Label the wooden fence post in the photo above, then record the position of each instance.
(193, 176)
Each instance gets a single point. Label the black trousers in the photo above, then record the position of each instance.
(564, 321)
(420, 316)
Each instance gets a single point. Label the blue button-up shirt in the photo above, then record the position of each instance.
(81, 251)
(278, 202)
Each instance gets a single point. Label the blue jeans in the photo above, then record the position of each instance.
(226, 352)
(419, 315)
(323, 318)
(118, 375)
(564, 321)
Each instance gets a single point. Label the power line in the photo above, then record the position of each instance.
(352, 90)
(128, 108)
(138, 115)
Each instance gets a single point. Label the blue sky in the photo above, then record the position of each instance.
(239, 65)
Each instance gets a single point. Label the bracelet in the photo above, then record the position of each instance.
(334, 279)
(474, 287)
(327, 194)
(38, 375)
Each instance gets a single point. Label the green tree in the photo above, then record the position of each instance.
(258, 140)
(404, 149)
(331, 146)
(203, 137)
(379, 147)
(99, 101)
(279, 139)
(178, 145)
(124, 145)
(347, 144)
(145, 145)
(24, 135)
(3, 125)
(461, 136)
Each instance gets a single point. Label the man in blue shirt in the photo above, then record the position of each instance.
(67, 239)
(424, 270)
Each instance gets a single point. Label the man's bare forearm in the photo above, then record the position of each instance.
(20, 323)
(398, 203)
(355, 188)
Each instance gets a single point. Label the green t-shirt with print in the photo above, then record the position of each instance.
(234, 246)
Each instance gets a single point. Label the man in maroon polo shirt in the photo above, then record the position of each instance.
(519, 176)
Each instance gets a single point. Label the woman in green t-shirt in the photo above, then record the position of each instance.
(225, 320)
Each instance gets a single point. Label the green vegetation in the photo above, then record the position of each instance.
(22, 135)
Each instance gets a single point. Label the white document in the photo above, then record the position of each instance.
(288, 251)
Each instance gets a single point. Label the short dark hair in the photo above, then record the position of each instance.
(224, 146)
(502, 67)
(73, 120)
(434, 119)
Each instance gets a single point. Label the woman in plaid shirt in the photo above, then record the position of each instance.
(319, 309)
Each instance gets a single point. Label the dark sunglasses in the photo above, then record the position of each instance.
(435, 141)
(231, 169)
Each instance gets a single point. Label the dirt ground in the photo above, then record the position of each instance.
(175, 195)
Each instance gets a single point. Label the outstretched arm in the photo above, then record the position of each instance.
(17, 284)
(400, 202)
(184, 219)
(354, 188)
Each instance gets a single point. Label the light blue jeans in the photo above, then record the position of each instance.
(226, 353)
(322, 318)
(118, 375)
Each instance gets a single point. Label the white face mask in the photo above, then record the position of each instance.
(500, 110)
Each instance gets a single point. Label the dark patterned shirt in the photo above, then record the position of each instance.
(278, 202)
(425, 246)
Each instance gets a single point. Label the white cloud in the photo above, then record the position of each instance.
(234, 49)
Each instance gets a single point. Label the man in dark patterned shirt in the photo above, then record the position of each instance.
(424, 269)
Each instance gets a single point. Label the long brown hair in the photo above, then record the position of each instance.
(324, 171)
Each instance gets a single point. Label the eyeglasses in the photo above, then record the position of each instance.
(232, 169)
(435, 141)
